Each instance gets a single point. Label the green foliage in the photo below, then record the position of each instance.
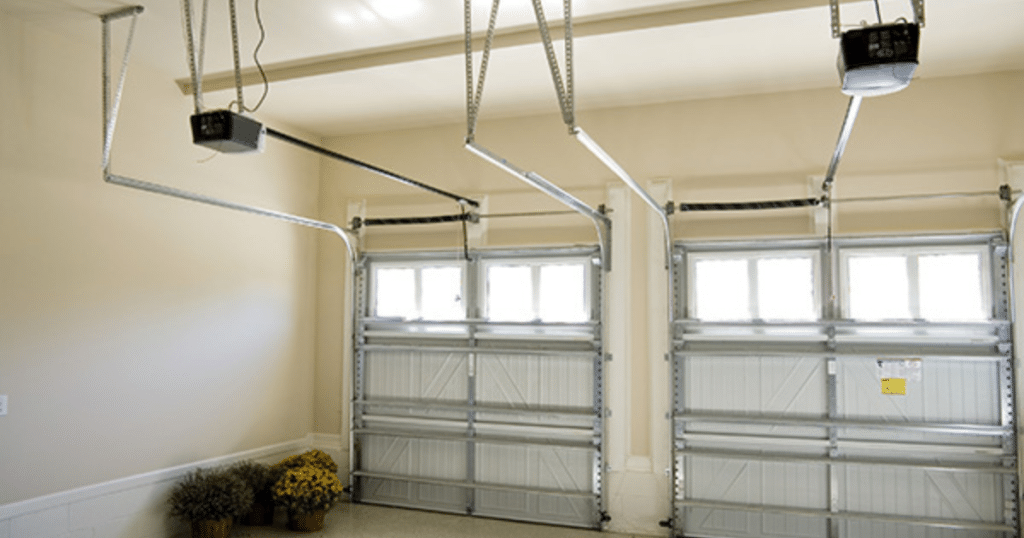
(260, 477)
(210, 494)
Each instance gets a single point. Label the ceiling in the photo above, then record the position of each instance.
(348, 66)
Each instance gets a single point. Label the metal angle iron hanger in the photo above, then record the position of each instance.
(473, 98)
(111, 105)
(227, 131)
(567, 102)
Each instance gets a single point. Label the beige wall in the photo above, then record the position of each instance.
(939, 135)
(139, 332)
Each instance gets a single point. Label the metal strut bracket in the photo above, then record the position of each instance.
(837, 26)
(111, 105)
(567, 101)
(601, 222)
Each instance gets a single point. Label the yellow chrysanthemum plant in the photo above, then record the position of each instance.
(311, 458)
(309, 483)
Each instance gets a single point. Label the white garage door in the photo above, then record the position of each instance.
(860, 391)
(479, 385)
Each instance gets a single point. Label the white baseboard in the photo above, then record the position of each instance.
(130, 507)
(327, 441)
(136, 506)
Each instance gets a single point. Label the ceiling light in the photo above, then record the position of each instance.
(367, 16)
(396, 9)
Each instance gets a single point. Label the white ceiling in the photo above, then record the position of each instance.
(345, 66)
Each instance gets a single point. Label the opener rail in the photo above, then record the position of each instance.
(196, 71)
(844, 136)
(111, 104)
(368, 167)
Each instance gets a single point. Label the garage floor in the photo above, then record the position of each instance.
(365, 521)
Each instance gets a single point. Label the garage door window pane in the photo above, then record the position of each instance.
(509, 293)
(442, 293)
(395, 293)
(785, 289)
(951, 287)
(562, 294)
(879, 288)
(721, 290)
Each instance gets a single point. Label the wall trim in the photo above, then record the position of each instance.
(64, 498)
(326, 441)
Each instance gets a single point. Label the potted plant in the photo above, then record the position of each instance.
(260, 478)
(209, 499)
(307, 492)
(314, 458)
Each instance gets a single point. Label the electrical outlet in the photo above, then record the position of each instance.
(3, 404)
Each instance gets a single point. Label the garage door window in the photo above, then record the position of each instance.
(754, 286)
(944, 285)
(548, 292)
(429, 292)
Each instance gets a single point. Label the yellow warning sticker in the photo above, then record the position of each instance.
(894, 385)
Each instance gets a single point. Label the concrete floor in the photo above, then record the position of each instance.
(366, 521)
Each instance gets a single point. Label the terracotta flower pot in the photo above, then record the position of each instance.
(313, 521)
(261, 514)
(211, 528)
